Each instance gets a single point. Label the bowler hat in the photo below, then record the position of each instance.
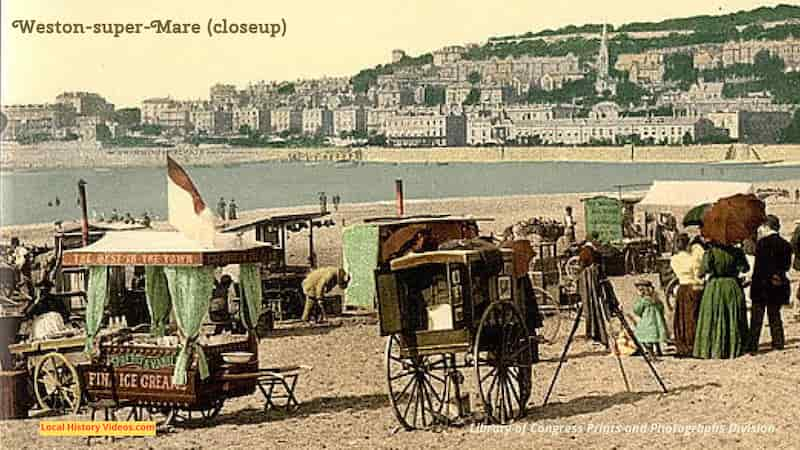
(773, 222)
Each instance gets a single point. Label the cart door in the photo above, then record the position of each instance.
(388, 303)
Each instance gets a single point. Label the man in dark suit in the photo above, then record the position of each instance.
(796, 265)
(770, 287)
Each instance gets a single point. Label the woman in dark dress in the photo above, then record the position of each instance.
(722, 320)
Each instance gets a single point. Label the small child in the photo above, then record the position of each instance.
(652, 328)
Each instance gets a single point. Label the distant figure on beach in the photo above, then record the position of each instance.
(58, 201)
(145, 219)
(49, 204)
(129, 218)
(232, 210)
(336, 199)
(796, 196)
(221, 208)
(114, 216)
(323, 203)
(569, 226)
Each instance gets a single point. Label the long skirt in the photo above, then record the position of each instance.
(687, 307)
(722, 320)
(593, 298)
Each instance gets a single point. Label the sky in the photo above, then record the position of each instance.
(323, 38)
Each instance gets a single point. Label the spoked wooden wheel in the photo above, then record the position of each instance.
(417, 387)
(56, 384)
(551, 316)
(671, 293)
(571, 268)
(503, 359)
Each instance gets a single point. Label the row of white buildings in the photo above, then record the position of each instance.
(457, 125)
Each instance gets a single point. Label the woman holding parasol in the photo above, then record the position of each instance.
(722, 320)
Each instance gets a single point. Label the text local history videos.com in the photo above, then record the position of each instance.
(100, 428)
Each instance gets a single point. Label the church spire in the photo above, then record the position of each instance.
(603, 82)
(602, 57)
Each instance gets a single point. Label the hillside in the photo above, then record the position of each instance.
(782, 22)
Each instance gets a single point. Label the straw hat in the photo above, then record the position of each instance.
(643, 282)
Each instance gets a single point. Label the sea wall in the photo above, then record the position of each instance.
(72, 155)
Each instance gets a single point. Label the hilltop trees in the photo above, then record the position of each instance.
(791, 134)
(679, 67)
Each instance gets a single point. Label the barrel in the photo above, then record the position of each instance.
(15, 398)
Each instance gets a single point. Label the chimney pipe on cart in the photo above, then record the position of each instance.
(398, 189)
(84, 214)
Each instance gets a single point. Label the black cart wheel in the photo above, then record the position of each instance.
(417, 387)
(503, 359)
(671, 293)
(551, 315)
(185, 415)
(163, 416)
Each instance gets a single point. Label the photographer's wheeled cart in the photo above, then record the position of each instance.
(444, 311)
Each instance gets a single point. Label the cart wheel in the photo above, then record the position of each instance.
(161, 415)
(417, 387)
(551, 315)
(571, 268)
(181, 416)
(631, 263)
(671, 293)
(56, 384)
(503, 359)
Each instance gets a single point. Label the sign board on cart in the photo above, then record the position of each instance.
(603, 216)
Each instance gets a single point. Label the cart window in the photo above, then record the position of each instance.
(388, 304)
(426, 298)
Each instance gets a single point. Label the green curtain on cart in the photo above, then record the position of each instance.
(158, 302)
(190, 289)
(96, 298)
(361, 244)
(250, 309)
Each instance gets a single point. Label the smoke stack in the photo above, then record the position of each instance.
(84, 214)
(398, 189)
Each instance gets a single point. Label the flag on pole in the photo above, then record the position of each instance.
(188, 212)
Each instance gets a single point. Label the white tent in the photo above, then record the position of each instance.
(692, 193)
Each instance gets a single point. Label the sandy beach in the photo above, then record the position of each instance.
(743, 403)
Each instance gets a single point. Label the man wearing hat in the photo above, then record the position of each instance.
(770, 286)
(320, 282)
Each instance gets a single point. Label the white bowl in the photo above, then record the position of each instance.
(237, 357)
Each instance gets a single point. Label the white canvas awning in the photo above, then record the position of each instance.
(692, 193)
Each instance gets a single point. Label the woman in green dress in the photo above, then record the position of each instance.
(722, 321)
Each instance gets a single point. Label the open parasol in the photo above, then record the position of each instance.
(695, 215)
(733, 219)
